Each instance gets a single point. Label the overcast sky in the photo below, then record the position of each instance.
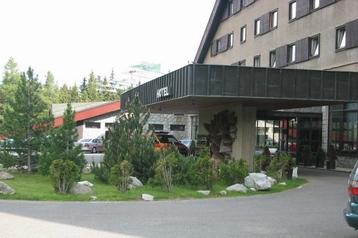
(71, 38)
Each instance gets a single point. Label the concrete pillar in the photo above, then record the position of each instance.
(244, 144)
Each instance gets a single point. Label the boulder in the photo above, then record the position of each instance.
(136, 183)
(5, 175)
(258, 181)
(272, 180)
(78, 188)
(147, 197)
(5, 189)
(205, 192)
(237, 187)
(86, 183)
(295, 173)
(223, 192)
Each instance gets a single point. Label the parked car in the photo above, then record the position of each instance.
(163, 140)
(92, 145)
(351, 211)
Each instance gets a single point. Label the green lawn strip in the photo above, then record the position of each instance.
(39, 188)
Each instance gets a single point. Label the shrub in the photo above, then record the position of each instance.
(235, 172)
(203, 173)
(6, 159)
(259, 161)
(63, 174)
(272, 169)
(120, 176)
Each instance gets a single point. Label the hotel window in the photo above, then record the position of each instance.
(273, 59)
(177, 127)
(341, 38)
(158, 127)
(231, 40)
(291, 53)
(243, 34)
(292, 13)
(257, 27)
(273, 19)
(257, 61)
(107, 125)
(314, 4)
(95, 125)
(231, 8)
(314, 46)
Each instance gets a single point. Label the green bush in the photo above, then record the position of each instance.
(7, 160)
(259, 161)
(272, 169)
(164, 170)
(203, 173)
(120, 176)
(235, 172)
(63, 174)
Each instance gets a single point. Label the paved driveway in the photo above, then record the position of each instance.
(314, 210)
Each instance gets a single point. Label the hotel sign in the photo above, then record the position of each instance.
(164, 92)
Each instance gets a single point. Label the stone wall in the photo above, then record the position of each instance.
(346, 161)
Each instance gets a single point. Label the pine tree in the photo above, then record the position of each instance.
(27, 117)
(62, 144)
(49, 88)
(127, 140)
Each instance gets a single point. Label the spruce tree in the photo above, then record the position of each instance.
(62, 144)
(129, 140)
(27, 117)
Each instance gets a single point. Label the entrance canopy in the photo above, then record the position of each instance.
(198, 86)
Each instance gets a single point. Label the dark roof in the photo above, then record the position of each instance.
(213, 24)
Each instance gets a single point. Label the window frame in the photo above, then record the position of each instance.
(291, 53)
(230, 40)
(310, 54)
(243, 32)
(242, 63)
(92, 125)
(343, 38)
(272, 54)
(257, 26)
(257, 58)
(175, 127)
(314, 5)
(273, 18)
(292, 12)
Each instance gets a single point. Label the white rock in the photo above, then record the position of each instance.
(147, 197)
(283, 184)
(237, 187)
(223, 192)
(86, 183)
(205, 192)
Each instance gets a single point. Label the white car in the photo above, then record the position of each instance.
(92, 145)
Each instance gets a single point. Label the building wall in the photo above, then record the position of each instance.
(322, 21)
(97, 132)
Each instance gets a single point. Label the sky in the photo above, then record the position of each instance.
(72, 38)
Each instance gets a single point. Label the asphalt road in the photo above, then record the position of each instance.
(314, 210)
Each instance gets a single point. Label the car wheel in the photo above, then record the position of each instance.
(94, 150)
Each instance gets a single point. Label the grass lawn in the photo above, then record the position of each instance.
(36, 187)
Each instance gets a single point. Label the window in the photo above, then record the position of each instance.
(273, 59)
(158, 127)
(257, 27)
(273, 19)
(341, 38)
(177, 127)
(242, 63)
(257, 61)
(243, 34)
(231, 40)
(95, 125)
(291, 53)
(314, 46)
(231, 8)
(292, 13)
(107, 125)
(314, 4)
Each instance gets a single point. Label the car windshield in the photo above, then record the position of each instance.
(167, 139)
(85, 140)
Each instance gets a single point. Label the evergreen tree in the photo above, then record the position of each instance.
(74, 94)
(64, 94)
(49, 88)
(127, 140)
(62, 144)
(9, 82)
(26, 117)
(92, 92)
